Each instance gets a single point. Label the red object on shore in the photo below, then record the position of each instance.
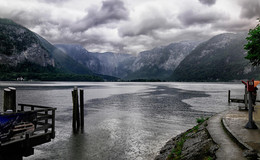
(250, 86)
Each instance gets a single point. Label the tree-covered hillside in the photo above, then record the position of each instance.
(28, 55)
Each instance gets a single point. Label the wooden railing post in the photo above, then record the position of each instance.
(46, 121)
(53, 123)
(22, 107)
(82, 109)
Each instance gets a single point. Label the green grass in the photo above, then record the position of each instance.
(176, 152)
(201, 120)
(209, 158)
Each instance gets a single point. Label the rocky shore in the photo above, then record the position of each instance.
(195, 143)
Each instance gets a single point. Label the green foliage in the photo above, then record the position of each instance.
(200, 120)
(177, 150)
(195, 128)
(209, 158)
(253, 45)
(179, 147)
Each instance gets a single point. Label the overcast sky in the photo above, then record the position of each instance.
(130, 26)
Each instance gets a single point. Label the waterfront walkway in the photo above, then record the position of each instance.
(228, 131)
(228, 150)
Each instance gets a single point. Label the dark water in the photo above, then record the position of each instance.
(122, 120)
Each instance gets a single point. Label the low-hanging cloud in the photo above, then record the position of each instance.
(234, 25)
(250, 9)
(208, 2)
(147, 22)
(111, 11)
(53, 1)
(190, 17)
(146, 26)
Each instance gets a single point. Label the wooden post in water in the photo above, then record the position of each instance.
(228, 96)
(9, 99)
(82, 109)
(6, 104)
(77, 109)
(75, 116)
(13, 98)
(74, 127)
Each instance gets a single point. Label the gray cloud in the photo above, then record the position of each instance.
(53, 1)
(145, 27)
(197, 36)
(31, 18)
(149, 22)
(208, 2)
(234, 25)
(191, 17)
(111, 11)
(250, 9)
(130, 26)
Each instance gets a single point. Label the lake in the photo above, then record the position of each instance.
(122, 120)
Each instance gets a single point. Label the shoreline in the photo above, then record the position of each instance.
(195, 143)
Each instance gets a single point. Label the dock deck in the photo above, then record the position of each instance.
(22, 138)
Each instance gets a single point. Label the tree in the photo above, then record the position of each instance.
(253, 45)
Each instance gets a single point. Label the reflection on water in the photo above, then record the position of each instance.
(122, 120)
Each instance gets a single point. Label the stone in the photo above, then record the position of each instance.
(198, 145)
(250, 154)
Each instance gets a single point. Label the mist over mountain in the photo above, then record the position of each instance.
(221, 58)
(102, 63)
(157, 63)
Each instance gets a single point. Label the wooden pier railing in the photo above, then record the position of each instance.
(45, 118)
(43, 132)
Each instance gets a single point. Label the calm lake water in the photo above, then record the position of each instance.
(122, 120)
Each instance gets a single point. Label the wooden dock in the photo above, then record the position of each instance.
(21, 143)
(236, 100)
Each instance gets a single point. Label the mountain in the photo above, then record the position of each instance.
(24, 53)
(62, 60)
(102, 63)
(157, 63)
(160, 62)
(221, 58)
(18, 44)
